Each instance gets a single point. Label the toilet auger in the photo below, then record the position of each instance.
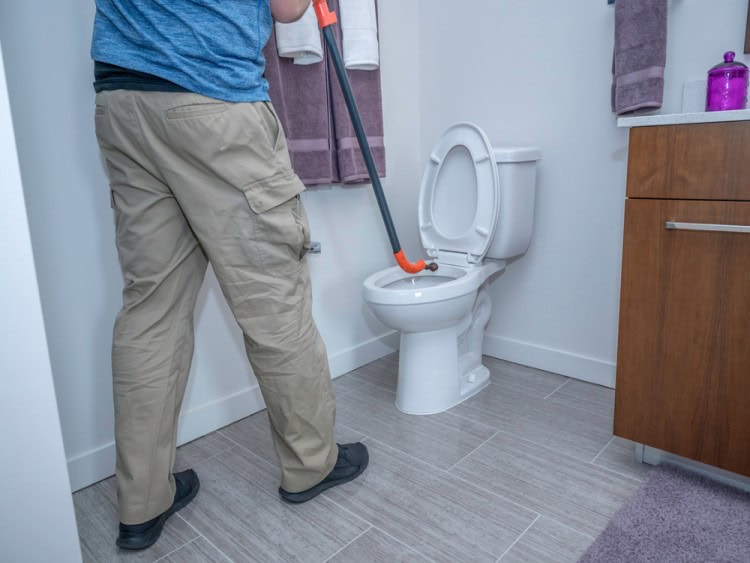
(326, 18)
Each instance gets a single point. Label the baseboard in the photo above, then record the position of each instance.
(99, 463)
(655, 456)
(563, 362)
(362, 354)
(92, 466)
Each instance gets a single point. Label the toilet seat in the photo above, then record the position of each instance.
(453, 230)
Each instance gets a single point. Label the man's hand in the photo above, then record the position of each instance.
(287, 11)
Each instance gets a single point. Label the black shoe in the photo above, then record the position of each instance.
(352, 460)
(141, 536)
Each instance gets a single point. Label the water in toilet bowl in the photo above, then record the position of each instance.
(418, 282)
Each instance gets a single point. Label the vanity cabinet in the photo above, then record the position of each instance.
(683, 360)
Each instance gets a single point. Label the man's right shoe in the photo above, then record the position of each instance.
(351, 462)
(141, 536)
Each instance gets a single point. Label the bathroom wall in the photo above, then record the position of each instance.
(49, 76)
(538, 73)
(34, 490)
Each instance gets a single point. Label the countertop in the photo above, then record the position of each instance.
(681, 118)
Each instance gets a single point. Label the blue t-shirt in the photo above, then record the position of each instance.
(210, 47)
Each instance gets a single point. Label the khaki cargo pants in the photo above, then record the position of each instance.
(196, 180)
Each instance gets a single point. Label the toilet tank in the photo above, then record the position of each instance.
(517, 171)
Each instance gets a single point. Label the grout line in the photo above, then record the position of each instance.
(343, 547)
(407, 546)
(373, 526)
(364, 436)
(602, 450)
(372, 383)
(342, 507)
(433, 466)
(204, 537)
(454, 476)
(462, 417)
(556, 521)
(221, 431)
(254, 454)
(558, 388)
(518, 538)
(341, 377)
(472, 451)
(493, 493)
(178, 549)
(197, 463)
(638, 480)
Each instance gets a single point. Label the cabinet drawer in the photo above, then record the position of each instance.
(683, 361)
(708, 161)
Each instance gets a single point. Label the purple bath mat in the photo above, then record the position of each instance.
(677, 516)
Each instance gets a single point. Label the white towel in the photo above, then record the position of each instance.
(300, 40)
(359, 29)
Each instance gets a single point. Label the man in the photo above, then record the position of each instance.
(199, 172)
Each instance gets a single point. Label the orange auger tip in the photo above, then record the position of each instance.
(413, 268)
(325, 16)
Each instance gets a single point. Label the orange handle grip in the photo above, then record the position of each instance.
(325, 16)
(409, 267)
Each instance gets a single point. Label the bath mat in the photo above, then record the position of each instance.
(677, 516)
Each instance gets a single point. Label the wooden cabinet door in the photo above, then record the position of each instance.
(683, 361)
(697, 161)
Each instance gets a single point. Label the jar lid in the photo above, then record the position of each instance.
(729, 63)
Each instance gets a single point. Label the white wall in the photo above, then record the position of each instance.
(539, 73)
(37, 522)
(49, 76)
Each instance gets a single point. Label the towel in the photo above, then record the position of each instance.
(300, 40)
(311, 108)
(301, 99)
(640, 55)
(359, 27)
(366, 89)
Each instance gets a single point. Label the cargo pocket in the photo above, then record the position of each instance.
(281, 229)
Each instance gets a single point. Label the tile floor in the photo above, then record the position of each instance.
(528, 470)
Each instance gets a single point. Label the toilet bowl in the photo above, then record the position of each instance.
(475, 211)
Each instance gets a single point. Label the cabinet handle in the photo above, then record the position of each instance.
(707, 227)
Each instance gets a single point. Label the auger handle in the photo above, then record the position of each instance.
(326, 18)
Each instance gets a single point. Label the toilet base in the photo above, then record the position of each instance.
(430, 378)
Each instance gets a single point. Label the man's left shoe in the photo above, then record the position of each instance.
(351, 462)
(141, 536)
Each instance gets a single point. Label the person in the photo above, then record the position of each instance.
(199, 172)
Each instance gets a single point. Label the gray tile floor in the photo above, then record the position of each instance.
(527, 470)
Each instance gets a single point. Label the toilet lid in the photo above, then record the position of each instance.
(458, 199)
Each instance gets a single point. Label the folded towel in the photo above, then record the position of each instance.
(640, 54)
(300, 40)
(301, 100)
(359, 27)
(366, 89)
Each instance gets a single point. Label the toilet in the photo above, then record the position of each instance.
(476, 211)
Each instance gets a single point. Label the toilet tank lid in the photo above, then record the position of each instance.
(517, 154)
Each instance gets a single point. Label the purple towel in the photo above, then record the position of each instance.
(321, 139)
(640, 55)
(366, 89)
(300, 97)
